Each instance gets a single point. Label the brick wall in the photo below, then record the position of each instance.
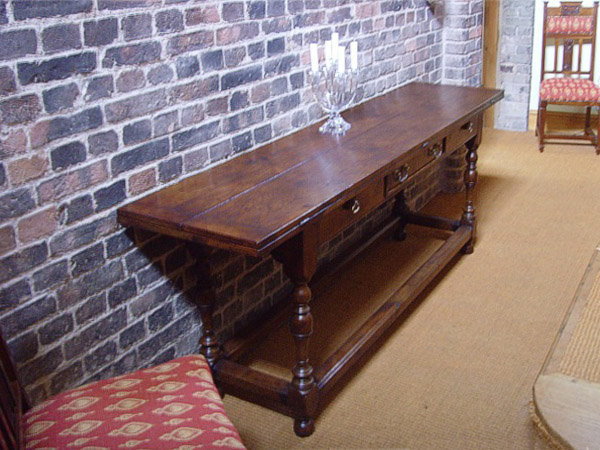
(514, 64)
(103, 101)
(463, 41)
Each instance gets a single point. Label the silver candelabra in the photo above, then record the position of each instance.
(334, 90)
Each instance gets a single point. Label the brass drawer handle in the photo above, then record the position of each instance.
(436, 151)
(355, 207)
(401, 174)
(469, 127)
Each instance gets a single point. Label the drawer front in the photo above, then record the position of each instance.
(417, 159)
(466, 131)
(341, 217)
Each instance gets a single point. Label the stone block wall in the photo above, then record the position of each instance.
(104, 101)
(463, 42)
(514, 64)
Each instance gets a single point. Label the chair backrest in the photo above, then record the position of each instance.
(12, 402)
(569, 45)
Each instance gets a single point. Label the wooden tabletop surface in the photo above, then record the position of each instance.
(252, 202)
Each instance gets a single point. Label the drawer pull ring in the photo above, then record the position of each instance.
(469, 127)
(401, 174)
(355, 208)
(436, 151)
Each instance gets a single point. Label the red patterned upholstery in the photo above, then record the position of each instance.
(571, 25)
(569, 90)
(173, 406)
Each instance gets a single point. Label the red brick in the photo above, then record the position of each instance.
(7, 239)
(130, 80)
(236, 33)
(260, 93)
(27, 169)
(367, 10)
(37, 226)
(192, 115)
(195, 160)
(142, 181)
(68, 183)
(13, 144)
(39, 133)
(207, 14)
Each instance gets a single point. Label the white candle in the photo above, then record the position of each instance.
(354, 55)
(314, 58)
(335, 40)
(328, 53)
(341, 59)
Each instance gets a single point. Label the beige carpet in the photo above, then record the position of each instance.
(458, 373)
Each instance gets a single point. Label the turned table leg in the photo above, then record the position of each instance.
(470, 179)
(299, 259)
(209, 344)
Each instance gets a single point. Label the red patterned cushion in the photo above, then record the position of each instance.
(576, 25)
(171, 406)
(569, 90)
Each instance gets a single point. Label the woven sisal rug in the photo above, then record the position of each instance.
(566, 397)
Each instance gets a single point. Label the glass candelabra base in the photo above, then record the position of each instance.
(335, 125)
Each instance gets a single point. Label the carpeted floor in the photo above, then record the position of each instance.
(458, 372)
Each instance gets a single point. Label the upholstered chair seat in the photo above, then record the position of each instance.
(569, 90)
(172, 406)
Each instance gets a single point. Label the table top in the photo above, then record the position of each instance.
(255, 201)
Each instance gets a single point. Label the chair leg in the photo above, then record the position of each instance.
(598, 136)
(541, 124)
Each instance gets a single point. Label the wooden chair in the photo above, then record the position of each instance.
(170, 406)
(569, 32)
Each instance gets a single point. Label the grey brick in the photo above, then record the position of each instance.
(53, 330)
(47, 362)
(241, 142)
(91, 308)
(97, 332)
(167, 170)
(8, 84)
(61, 97)
(61, 37)
(67, 155)
(14, 294)
(122, 292)
(101, 356)
(169, 21)
(87, 259)
(17, 43)
(241, 76)
(187, 66)
(194, 136)
(110, 196)
(100, 32)
(136, 106)
(32, 313)
(137, 26)
(57, 68)
(51, 275)
(212, 60)
(26, 259)
(137, 132)
(140, 155)
(99, 87)
(29, 9)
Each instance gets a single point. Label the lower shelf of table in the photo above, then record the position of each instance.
(352, 308)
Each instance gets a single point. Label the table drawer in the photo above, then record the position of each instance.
(341, 217)
(466, 131)
(416, 160)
